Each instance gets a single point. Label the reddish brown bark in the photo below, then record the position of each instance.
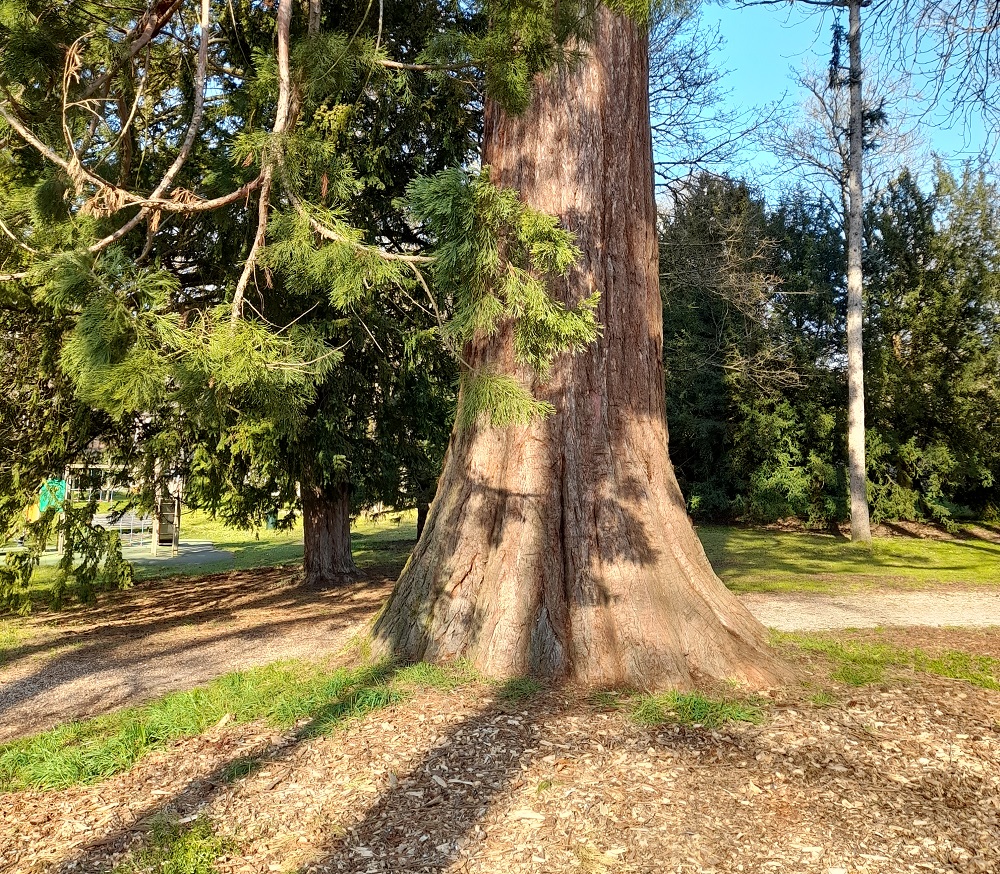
(563, 548)
(326, 523)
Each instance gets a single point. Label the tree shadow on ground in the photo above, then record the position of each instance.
(174, 637)
(421, 819)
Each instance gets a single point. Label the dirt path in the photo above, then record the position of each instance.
(169, 635)
(174, 634)
(792, 612)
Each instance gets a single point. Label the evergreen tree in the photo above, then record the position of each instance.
(560, 544)
(934, 347)
(726, 365)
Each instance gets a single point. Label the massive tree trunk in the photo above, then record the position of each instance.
(326, 522)
(860, 526)
(563, 548)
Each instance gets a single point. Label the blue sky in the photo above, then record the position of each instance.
(763, 43)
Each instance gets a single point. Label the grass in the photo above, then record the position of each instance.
(12, 637)
(177, 849)
(747, 560)
(385, 541)
(752, 560)
(285, 694)
(518, 688)
(693, 708)
(860, 663)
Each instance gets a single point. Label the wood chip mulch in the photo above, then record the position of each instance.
(899, 778)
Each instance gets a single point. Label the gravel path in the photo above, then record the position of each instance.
(172, 635)
(871, 609)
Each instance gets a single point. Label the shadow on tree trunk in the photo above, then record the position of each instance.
(563, 548)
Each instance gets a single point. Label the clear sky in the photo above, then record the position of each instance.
(764, 43)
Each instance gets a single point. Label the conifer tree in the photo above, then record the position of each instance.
(560, 545)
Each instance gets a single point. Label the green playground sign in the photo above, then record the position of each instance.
(53, 494)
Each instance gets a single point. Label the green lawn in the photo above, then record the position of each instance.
(385, 541)
(748, 560)
(753, 560)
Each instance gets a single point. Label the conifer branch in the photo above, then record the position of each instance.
(267, 173)
(442, 331)
(200, 86)
(20, 243)
(146, 28)
(331, 235)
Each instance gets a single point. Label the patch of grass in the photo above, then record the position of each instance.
(750, 560)
(177, 849)
(519, 688)
(11, 638)
(244, 766)
(608, 699)
(822, 699)
(284, 694)
(693, 708)
(446, 677)
(982, 671)
(860, 662)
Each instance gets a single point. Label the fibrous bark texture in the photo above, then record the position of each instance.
(563, 548)
(326, 523)
(860, 525)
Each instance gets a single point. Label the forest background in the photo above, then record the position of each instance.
(335, 395)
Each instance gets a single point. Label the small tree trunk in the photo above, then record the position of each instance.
(422, 509)
(326, 519)
(563, 548)
(860, 526)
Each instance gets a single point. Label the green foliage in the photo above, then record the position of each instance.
(863, 662)
(737, 440)
(496, 259)
(756, 388)
(500, 399)
(693, 708)
(932, 348)
(174, 848)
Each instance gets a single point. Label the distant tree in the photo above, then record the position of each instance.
(725, 364)
(934, 347)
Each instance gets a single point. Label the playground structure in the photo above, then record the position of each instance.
(160, 531)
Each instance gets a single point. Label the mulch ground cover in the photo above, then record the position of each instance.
(898, 777)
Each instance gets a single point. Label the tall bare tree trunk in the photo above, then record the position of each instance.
(860, 525)
(326, 523)
(563, 548)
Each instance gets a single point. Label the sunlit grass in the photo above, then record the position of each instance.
(753, 560)
(693, 708)
(862, 662)
(12, 637)
(285, 694)
(174, 848)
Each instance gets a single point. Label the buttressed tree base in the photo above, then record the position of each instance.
(563, 548)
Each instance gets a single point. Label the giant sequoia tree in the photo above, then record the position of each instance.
(562, 546)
